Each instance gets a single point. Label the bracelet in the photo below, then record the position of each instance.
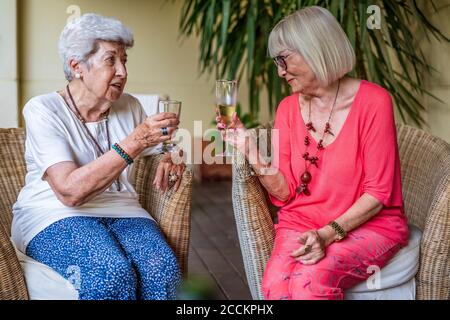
(125, 156)
(340, 232)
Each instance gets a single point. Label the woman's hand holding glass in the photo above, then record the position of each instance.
(234, 133)
(155, 130)
(172, 106)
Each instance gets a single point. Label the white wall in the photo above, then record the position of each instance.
(8, 64)
(438, 55)
(159, 62)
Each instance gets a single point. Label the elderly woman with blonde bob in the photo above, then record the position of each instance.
(78, 211)
(337, 181)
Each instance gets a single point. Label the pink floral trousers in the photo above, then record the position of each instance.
(346, 264)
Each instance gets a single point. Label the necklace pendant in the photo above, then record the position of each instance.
(328, 129)
(303, 188)
(306, 177)
(310, 126)
(307, 142)
(320, 145)
(314, 160)
(307, 192)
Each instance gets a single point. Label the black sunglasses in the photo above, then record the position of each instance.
(280, 61)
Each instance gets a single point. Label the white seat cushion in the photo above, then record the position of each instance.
(400, 271)
(44, 283)
(406, 291)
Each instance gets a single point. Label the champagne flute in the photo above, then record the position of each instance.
(226, 100)
(172, 106)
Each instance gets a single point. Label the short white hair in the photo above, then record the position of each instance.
(315, 33)
(79, 38)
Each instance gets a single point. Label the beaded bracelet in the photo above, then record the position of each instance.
(123, 154)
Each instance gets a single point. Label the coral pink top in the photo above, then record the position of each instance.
(362, 159)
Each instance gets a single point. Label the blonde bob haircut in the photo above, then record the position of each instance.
(315, 34)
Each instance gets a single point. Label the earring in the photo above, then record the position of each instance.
(77, 75)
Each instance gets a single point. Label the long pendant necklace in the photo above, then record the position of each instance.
(306, 176)
(83, 122)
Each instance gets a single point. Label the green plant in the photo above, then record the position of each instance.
(196, 287)
(233, 44)
(248, 119)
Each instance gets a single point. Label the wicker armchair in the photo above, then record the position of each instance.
(425, 165)
(172, 211)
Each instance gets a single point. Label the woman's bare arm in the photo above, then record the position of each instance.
(74, 185)
(272, 180)
(360, 212)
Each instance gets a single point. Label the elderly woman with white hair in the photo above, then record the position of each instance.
(337, 177)
(78, 210)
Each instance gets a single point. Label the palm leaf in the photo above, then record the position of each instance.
(233, 40)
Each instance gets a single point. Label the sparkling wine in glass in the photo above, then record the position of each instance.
(226, 111)
(226, 100)
(171, 106)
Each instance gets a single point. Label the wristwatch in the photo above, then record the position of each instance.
(340, 232)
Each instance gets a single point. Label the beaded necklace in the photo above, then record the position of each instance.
(83, 122)
(306, 176)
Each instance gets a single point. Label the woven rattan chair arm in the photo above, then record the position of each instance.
(254, 224)
(12, 281)
(425, 161)
(433, 278)
(172, 210)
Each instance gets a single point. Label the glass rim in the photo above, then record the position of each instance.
(169, 101)
(226, 81)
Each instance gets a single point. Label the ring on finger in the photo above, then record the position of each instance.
(165, 132)
(308, 248)
(173, 177)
